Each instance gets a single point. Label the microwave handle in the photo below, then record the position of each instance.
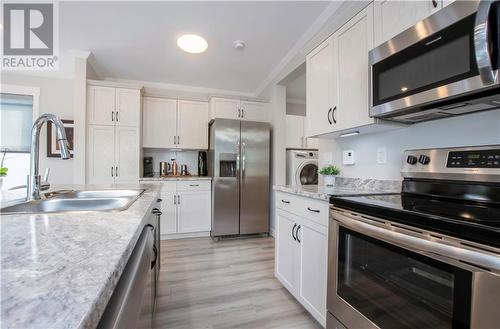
(481, 42)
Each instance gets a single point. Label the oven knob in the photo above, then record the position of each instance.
(411, 159)
(424, 159)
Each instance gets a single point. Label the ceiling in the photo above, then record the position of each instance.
(137, 41)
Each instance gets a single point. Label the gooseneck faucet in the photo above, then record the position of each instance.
(34, 178)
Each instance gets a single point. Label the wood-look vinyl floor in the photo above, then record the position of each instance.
(224, 285)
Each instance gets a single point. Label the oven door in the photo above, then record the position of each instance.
(452, 53)
(377, 279)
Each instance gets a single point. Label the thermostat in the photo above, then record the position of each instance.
(348, 157)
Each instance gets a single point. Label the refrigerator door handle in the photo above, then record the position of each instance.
(238, 159)
(243, 155)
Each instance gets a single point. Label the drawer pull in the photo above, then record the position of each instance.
(284, 201)
(194, 185)
(313, 210)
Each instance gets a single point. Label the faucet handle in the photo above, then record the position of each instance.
(46, 174)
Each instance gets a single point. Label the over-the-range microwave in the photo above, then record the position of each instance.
(445, 65)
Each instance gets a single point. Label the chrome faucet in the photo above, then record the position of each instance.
(34, 179)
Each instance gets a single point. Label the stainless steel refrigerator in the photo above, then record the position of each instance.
(238, 161)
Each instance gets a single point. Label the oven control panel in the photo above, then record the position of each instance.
(474, 159)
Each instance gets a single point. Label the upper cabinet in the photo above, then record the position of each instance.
(170, 123)
(321, 80)
(295, 133)
(227, 108)
(113, 106)
(393, 17)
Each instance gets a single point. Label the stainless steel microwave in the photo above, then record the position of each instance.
(445, 65)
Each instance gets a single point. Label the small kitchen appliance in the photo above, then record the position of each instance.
(164, 168)
(426, 257)
(202, 163)
(184, 170)
(147, 165)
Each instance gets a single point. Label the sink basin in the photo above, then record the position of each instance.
(69, 200)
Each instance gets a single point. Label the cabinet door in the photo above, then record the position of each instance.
(100, 105)
(168, 223)
(354, 40)
(320, 89)
(313, 275)
(128, 106)
(100, 154)
(192, 125)
(287, 252)
(394, 16)
(225, 108)
(159, 122)
(254, 111)
(193, 211)
(127, 155)
(295, 131)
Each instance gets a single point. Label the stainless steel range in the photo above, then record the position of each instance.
(428, 257)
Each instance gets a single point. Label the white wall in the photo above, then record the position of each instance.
(56, 96)
(473, 129)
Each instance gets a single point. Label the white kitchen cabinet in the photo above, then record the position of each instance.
(193, 210)
(227, 108)
(301, 250)
(113, 106)
(100, 154)
(192, 124)
(296, 133)
(354, 40)
(170, 123)
(287, 251)
(394, 16)
(186, 208)
(127, 154)
(321, 91)
(159, 122)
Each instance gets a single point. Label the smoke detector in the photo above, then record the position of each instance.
(239, 44)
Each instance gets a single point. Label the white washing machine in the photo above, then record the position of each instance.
(301, 167)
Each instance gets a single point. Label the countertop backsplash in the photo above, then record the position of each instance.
(188, 157)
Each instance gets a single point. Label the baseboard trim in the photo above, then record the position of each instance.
(185, 235)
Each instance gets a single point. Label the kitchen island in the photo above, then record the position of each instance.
(59, 270)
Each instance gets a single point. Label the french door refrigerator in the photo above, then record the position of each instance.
(238, 162)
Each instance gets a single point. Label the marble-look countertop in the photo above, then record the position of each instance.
(343, 187)
(174, 178)
(60, 270)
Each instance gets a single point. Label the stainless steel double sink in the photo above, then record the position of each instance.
(73, 200)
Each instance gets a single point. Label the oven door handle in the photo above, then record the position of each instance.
(481, 42)
(426, 246)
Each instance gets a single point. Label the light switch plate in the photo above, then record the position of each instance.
(348, 157)
(381, 155)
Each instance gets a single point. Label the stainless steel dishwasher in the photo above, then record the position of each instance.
(132, 302)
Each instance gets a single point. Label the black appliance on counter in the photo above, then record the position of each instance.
(202, 163)
(147, 164)
(428, 257)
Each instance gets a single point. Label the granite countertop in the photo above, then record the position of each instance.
(343, 187)
(60, 270)
(174, 178)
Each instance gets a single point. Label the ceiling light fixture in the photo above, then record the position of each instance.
(239, 44)
(352, 133)
(192, 43)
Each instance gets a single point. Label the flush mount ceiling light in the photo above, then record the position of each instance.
(239, 44)
(192, 43)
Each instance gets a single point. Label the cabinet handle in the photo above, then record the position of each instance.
(286, 202)
(239, 113)
(297, 233)
(178, 199)
(117, 116)
(194, 185)
(333, 115)
(159, 200)
(116, 172)
(328, 115)
(434, 3)
(174, 140)
(112, 172)
(242, 113)
(178, 140)
(293, 229)
(175, 202)
(313, 210)
(112, 115)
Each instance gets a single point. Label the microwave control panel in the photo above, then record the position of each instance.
(474, 159)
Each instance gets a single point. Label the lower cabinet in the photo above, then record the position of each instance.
(301, 257)
(186, 208)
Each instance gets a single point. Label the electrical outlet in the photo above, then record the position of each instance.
(381, 155)
(348, 157)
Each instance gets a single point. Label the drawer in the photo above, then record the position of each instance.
(169, 186)
(308, 208)
(194, 185)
